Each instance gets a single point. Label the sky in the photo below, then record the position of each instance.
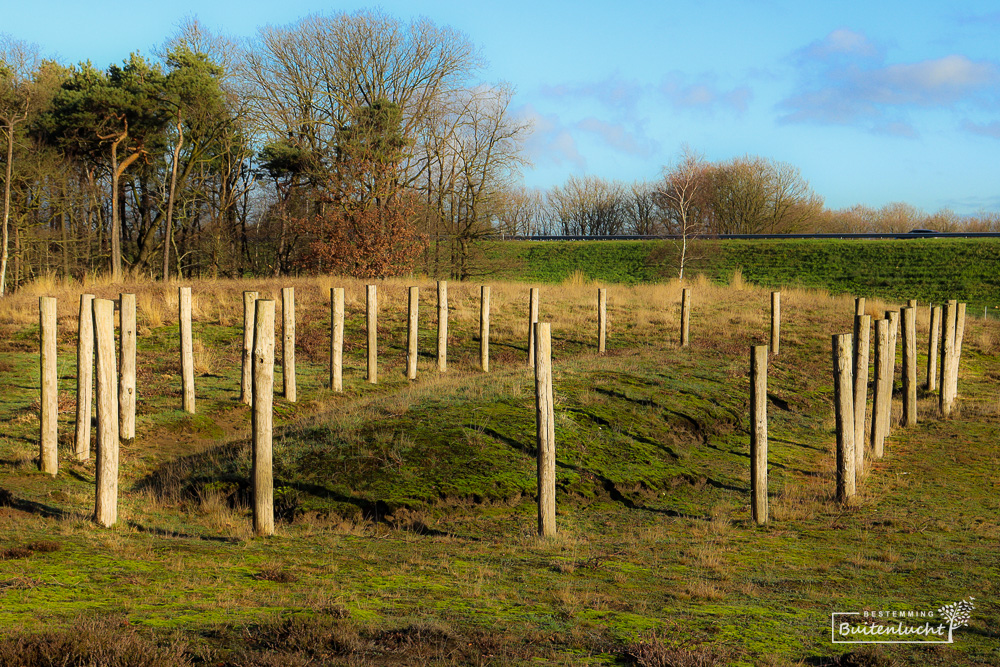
(874, 102)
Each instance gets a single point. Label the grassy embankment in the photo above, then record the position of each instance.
(407, 531)
(926, 269)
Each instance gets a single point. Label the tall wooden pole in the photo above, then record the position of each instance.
(602, 320)
(685, 316)
(893, 317)
(758, 434)
(337, 338)
(484, 328)
(775, 322)
(442, 344)
(262, 420)
(127, 368)
(545, 420)
(84, 376)
(882, 388)
(412, 329)
(288, 343)
(844, 412)
(371, 318)
(946, 400)
(532, 320)
(187, 348)
(933, 341)
(859, 305)
(249, 309)
(909, 366)
(862, 337)
(48, 456)
(106, 498)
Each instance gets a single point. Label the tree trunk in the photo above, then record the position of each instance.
(6, 208)
(168, 233)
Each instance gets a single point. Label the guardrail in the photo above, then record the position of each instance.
(727, 237)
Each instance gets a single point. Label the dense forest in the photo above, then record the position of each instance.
(349, 143)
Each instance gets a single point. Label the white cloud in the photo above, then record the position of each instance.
(550, 140)
(703, 94)
(618, 137)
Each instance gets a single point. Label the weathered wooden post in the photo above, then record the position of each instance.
(371, 318)
(909, 366)
(959, 337)
(126, 370)
(685, 316)
(843, 401)
(758, 434)
(946, 400)
(187, 348)
(48, 455)
(893, 317)
(288, 343)
(262, 419)
(412, 324)
(337, 338)
(106, 498)
(84, 376)
(775, 322)
(249, 308)
(545, 419)
(532, 321)
(862, 338)
(932, 348)
(442, 346)
(859, 305)
(602, 320)
(484, 328)
(882, 388)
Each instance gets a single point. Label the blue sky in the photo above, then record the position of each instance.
(874, 102)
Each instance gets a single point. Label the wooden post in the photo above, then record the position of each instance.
(859, 305)
(126, 371)
(843, 401)
(685, 316)
(288, 343)
(946, 399)
(106, 500)
(932, 348)
(959, 337)
(84, 376)
(48, 455)
(187, 348)
(758, 434)
(912, 303)
(545, 419)
(882, 389)
(337, 338)
(249, 308)
(532, 321)
(413, 304)
(909, 366)
(602, 320)
(484, 328)
(893, 317)
(775, 322)
(442, 346)
(262, 420)
(862, 338)
(371, 318)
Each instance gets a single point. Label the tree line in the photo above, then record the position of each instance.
(353, 143)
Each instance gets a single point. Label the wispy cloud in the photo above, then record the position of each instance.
(991, 130)
(844, 79)
(550, 140)
(619, 137)
(703, 93)
(615, 92)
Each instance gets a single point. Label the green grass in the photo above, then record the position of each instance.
(929, 270)
(407, 532)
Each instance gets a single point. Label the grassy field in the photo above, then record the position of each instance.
(926, 269)
(406, 510)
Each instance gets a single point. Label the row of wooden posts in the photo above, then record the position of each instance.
(116, 388)
(850, 353)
